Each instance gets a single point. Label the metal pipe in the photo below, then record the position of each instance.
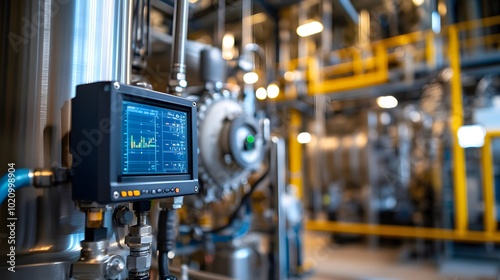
(326, 19)
(177, 82)
(221, 21)
(246, 24)
(278, 169)
(126, 36)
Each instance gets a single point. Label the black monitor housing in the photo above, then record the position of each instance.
(130, 143)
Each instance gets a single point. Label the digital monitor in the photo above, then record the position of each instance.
(154, 140)
(130, 143)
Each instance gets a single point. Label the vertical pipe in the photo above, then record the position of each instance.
(373, 173)
(278, 159)
(246, 27)
(295, 153)
(302, 48)
(459, 172)
(284, 47)
(126, 46)
(246, 40)
(177, 82)
(488, 185)
(364, 29)
(326, 35)
(284, 53)
(221, 21)
(430, 49)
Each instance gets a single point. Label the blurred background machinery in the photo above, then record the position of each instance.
(361, 119)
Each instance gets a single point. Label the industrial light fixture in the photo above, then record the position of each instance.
(250, 78)
(418, 2)
(436, 22)
(273, 90)
(471, 136)
(442, 8)
(227, 46)
(304, 137)
(261, 93)
(289, 76)
(228, 40)
(309, 28)
(387, 102)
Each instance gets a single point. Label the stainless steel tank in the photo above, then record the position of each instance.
(239, 260)
(50, 47)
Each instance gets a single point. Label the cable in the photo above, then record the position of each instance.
(243, 200)
(165, 241)
(163, 270)
(22, 179)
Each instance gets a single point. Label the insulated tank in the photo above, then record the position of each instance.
(49, 47)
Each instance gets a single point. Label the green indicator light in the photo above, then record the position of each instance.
(249, 143)
(250, 139)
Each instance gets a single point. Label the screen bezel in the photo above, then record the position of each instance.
(156, 100)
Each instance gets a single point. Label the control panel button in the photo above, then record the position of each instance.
(177, 190)
(137, 193)
(159, 190)
(124, 194)
(153, 191)
(130, 193)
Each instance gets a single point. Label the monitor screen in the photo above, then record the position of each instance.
(155, 140)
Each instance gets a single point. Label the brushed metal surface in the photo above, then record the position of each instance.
(53, 46)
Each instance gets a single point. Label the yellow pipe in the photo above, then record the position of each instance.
(459, 172)
(430, 52)
(295, 152)
(402, 231)
(313, 75)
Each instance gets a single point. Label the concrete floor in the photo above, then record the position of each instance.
(359, 262)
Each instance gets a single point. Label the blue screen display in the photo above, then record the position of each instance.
(154, 140)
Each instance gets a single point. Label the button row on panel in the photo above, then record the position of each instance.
(130, 193)
(160, 191)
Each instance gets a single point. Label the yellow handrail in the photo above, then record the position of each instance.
(402, 231)
(373, 69)
(459, 172)
(488, 182)
(353, 64)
